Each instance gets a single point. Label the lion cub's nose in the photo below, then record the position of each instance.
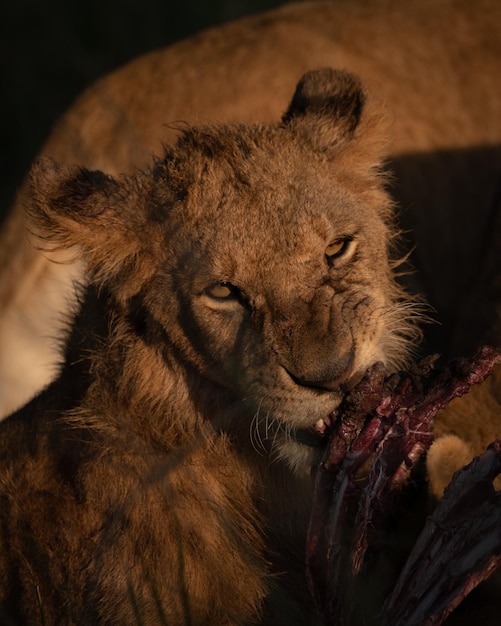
(327, 385)
(329, 379)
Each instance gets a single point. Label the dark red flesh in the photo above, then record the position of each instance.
(381, 430)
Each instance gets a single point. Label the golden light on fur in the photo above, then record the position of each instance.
(203, 346)
(444, 159)
(234, 285)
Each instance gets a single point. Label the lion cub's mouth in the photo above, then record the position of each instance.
(315, 437)
(322, 425)
(318, 435)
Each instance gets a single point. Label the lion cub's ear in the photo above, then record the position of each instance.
(72, 207)
(326, 108)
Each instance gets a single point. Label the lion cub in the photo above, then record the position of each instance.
(235, 288)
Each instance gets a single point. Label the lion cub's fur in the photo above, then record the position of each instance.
(462, 429)
(436, 65)
(236, 285)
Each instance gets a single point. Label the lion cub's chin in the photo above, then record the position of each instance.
(300, 457)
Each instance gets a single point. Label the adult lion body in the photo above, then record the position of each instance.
(436, 64)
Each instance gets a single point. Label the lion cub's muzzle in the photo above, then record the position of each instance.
(332, 377)
(333, 373)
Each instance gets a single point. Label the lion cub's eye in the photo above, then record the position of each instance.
(221, 291)
(338, 248)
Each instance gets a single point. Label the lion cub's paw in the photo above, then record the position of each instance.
(446, 455)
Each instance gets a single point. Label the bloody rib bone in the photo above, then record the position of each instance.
(459, 547)
(388, 421)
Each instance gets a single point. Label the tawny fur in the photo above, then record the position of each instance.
(161, 478)
(462, 430)
(436, 64)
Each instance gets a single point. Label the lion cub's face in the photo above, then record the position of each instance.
(255, 256)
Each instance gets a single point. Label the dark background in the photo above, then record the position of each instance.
(50, 50)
